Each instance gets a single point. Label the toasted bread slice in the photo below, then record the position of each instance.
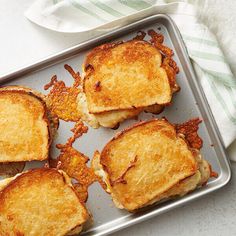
(125, 76)
(147, 163)
(40, 202)
(25, 131)
(53, 120)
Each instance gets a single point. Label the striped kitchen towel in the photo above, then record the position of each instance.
(97, 16)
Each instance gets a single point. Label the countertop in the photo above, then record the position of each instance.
(22, 42)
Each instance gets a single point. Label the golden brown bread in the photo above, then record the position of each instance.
(27, 127)
(40, 202)
(125, 76)
(122, 79)
(147, 163)
(53, 120)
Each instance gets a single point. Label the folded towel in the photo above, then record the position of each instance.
(214, 74)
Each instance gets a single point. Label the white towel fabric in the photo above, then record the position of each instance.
(219, 85)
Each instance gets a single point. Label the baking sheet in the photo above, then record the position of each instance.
(190, 102)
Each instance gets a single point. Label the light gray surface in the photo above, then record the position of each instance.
(23, 42)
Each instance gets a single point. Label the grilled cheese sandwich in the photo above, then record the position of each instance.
(40, 202)
(120, 80)
(147, 163)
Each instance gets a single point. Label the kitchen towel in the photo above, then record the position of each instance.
(213, 72)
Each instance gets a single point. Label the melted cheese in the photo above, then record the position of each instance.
(109, 119)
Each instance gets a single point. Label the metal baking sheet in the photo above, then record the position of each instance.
(188, 103)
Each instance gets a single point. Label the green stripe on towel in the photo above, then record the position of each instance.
(137, 5)
(206, 55)
(226, 79)
(232, 95)
(106, 8)
(86, 10)
(221, 101)
(200, 40)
